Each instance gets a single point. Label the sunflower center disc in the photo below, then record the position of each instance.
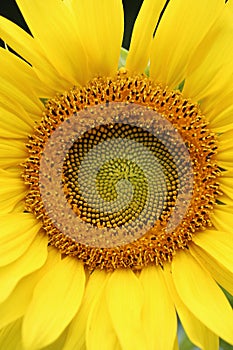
(125, 167)
(121, 184)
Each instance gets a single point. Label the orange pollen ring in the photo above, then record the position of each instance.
(156, 245)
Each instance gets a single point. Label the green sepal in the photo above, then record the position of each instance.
(44, 100)
(123, 57)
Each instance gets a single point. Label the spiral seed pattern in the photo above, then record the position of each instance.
(122, 173)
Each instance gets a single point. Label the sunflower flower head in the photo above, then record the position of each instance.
(116, 172)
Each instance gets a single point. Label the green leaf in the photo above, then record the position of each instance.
(186, 344)
(225, 346)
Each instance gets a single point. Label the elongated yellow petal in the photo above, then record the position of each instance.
(218, 271)
(182, 28)
(176, 344)
(31, 260)
(221, 122)
(192, 282)
(158, 314)
(17, 303)
(8, 88)
(7, 103)
(15, 306)
(57, 37)
(222, 217)
(23, 43)
(218, 107)
(49, 80)
(13, 126)
(226, 187)
(76, 333)
(8, 200)
(211, 72)
(12, 191)
(215, 250)
(142, 35)
(17, 233)
(125, 301)
(218, 244)
(18, 82)
(12, 153)
(100, 27)
(10, 336)
(100, 334)
(20, 75)
(56, 300)
(25, 76)
(197, 332)
(225, 152)
(225, 143)
(59, 343)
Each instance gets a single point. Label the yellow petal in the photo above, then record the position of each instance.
(197, 332)
(226, 199)
(23, 43)
(217, 244)
(221, 122)
(57, 36)
(176, 344)
(76, 333)
(9, 89)
(7, 103)
(19, 74)
(209, 62)
(100, 334)
(222, 217)
(124, 296)
(13, 152)
(17, 233)
(218, 107)
(12, 191)
(56, 299)
(142, 35)
(226, 186)
(17, 82)
(10, 336)
(13, 126)
(225, 139)
(31, 260)
(100, 27)
(59, 343)
(17, 303)
(219, 271)
(50, 81)
(202, 296)
(225, 153)
(182, 28)
(158, 314)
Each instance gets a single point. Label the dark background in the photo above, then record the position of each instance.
(9, 9)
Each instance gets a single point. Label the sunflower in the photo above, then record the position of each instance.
(116, 176)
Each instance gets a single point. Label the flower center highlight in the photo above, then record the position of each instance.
(121, 172)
